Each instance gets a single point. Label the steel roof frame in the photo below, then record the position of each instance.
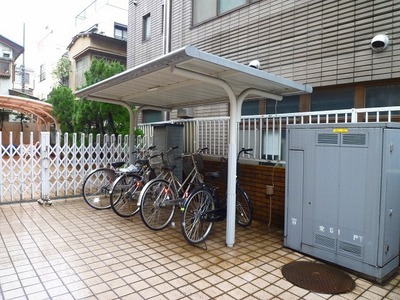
(191, 77)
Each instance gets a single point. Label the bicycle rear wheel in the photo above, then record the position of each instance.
(195, 227)
(154, 211)
(124, 195)
(96, 188)
(244, 208)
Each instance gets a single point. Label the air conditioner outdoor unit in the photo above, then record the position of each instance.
(185, 113)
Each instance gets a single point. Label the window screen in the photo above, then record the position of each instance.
(333, 99)
(386, 95)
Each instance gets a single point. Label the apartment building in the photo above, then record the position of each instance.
(9, 53)
(347, 50)
(101, 32)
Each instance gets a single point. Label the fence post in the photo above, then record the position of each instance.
(354, 115)
(44, 165)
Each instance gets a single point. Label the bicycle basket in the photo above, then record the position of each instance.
(156, 162)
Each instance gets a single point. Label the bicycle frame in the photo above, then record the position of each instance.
(181, 188)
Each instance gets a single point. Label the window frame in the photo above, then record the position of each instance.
(146, 27)
(217, 10)
(5, 69)
(123, 29)
(42, 73)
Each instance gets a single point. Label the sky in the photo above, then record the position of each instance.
(57, 15)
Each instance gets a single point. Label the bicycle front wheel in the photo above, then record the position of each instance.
(244, 208)
(124, 195)
(155, 210)
(96, 188)
(195, 226)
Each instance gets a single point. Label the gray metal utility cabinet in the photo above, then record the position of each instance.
(170, 135)
(343, 195)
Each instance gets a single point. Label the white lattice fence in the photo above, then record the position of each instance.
(37, 170)
(20, 176)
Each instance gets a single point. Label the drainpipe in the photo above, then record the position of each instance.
(167, 27)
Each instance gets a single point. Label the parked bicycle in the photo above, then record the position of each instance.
(98, 183)
(204, 207)
(160, 196)
(125, 190)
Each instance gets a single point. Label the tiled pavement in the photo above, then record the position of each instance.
(71, 251)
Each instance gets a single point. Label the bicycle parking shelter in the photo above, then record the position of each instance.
(191, 77)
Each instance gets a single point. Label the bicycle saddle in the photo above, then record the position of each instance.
(214, 175)
(117, 164)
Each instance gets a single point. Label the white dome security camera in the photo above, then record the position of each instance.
(255, 64)
(379, 42)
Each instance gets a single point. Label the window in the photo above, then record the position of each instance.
(146, 27)
(333, 99)
(81, 67)
(204, 10)
(42, 72)
(4, 68)
(224, 6)
(120, 32)
(6, 54)
(150, 116)
(385, 95)
(207, 9)
(288, 104)
(250, 107)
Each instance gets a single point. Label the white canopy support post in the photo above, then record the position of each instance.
(231, 193)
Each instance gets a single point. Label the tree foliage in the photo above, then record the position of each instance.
(62, 70)
(63, 102)
(90, 116)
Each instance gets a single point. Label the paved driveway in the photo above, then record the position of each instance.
(71, 251)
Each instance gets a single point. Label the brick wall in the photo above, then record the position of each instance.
(254, 179)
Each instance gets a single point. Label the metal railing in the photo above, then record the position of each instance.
(266, 134)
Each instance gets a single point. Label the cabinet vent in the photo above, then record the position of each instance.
(354, 139)
(328, 138)
(324, 241)
(350, 249)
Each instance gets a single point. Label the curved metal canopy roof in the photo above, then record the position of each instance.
(40, 109)
(159, 83)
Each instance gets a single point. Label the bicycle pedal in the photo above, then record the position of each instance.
(214, 217)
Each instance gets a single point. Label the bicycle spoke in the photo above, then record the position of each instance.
(155, 211)
(244, 208)
(124, 195)
(96, 188)
(195, 227)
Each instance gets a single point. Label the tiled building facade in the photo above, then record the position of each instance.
(323, 43)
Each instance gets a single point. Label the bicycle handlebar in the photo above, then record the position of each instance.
(246, 151)
(201, 150)
(172, 148)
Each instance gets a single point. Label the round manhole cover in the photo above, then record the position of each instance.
(318, 278)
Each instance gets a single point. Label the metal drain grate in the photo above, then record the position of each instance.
(318, 278)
